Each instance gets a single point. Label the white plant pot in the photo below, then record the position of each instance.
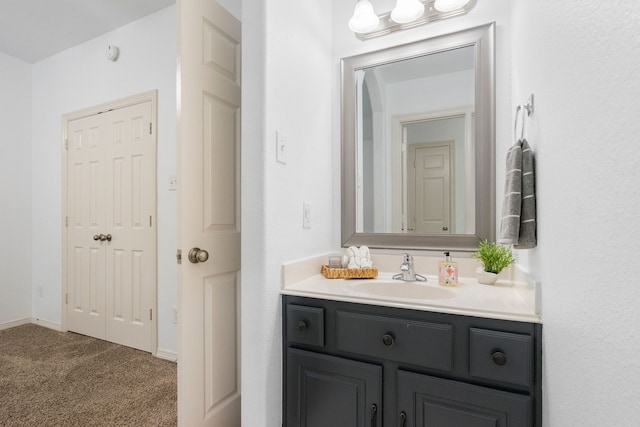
(485, 277)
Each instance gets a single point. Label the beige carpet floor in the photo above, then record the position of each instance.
(50, 378)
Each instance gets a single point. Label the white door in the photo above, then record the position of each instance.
(209, 215)
(430, 188)
(130, 220)
(111, 234)
(85, 257)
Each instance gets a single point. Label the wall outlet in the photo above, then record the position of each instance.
(306, 215)
(174, 315)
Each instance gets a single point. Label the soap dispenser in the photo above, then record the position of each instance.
(448, 271)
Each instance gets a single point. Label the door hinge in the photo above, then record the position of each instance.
(150, 221)
(150, 128)
(66, 298)
(66, 144)
(179, 256)
(151, 314)
(66, 221)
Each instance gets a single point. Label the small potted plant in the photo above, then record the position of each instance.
(494, 259)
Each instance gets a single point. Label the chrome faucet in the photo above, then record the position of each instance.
(407, 273)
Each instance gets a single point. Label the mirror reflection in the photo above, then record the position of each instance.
(415, 145)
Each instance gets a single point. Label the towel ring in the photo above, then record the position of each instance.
(515, 125)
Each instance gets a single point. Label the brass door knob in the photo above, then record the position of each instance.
(197, 255)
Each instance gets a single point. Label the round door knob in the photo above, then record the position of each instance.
(197, 255)
(108, 237)
(445, 228)
(96, 237)
(499, 358)
(102, 237)
(388, 340)
(302, 326)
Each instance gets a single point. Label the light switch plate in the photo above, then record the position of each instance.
(173, 182)
(281, 148)
(306, 215)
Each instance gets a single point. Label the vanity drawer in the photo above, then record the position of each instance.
(501, 356)
(305, 325)
(419, 343)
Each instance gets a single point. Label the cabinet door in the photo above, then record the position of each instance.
(325, 391)
(427, 401)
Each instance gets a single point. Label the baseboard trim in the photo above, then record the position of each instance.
(14, 323)
(169, 355)
(47, 324)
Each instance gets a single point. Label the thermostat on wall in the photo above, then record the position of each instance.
(112, 52)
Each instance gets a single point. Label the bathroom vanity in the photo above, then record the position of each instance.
(388, 353)
(360, 365)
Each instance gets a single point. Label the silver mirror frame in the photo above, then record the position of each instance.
(483, 40)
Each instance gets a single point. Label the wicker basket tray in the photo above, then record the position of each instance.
(349, 273)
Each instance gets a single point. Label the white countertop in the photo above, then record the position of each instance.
(506, 300)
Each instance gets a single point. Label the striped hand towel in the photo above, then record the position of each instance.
(527, 234)
(512, 203)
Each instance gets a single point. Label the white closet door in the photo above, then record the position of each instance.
(86, 218)
(130, 219)
(111, 240)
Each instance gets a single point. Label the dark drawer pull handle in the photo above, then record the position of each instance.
(388, 340)
(403, 419)
(302, 326)
(374, 415)
(499, 358)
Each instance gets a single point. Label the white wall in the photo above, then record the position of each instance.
(15, 187)
(287, 87)
(81, 77)
(581, 59)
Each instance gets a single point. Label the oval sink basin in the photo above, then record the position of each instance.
(399, 289)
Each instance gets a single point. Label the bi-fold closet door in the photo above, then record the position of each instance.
(110, 225)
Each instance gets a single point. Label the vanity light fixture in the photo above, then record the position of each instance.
(364, 18)
(406, 14)
(407, 11)
(448, 5)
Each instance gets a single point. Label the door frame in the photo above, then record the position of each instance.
(398, 173)
(150, 96)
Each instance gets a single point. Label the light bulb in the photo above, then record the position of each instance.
(407, 11)
(449, 5)
(364, 18)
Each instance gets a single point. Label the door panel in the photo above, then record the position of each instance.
(434, 402)
(331, 391)
(86, 217)
(208, 193)
(130, 257)
(431, 188)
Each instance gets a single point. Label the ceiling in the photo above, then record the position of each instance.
(32, 30)
(445, 62)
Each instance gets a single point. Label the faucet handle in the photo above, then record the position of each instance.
(406, 258)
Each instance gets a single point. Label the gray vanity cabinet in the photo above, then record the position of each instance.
(426, 401)
(332, 391)
(356, 365)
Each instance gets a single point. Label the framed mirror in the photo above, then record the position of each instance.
(418, 144)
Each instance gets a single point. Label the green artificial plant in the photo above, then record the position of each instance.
(494, 257)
